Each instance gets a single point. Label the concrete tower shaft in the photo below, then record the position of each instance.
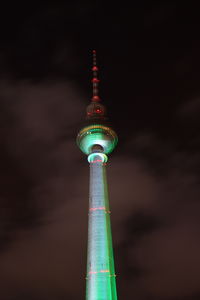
(101, 283)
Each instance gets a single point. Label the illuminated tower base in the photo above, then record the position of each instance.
(101, 283)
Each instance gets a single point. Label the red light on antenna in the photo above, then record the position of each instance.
(95, 68)
(95, 79)
(95, 98)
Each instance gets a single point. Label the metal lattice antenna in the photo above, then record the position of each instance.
(95, 80)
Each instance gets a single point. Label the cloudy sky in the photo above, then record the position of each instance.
(150, 73)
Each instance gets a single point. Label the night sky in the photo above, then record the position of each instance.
(149, 58)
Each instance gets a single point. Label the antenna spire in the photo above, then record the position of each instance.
(95, 80)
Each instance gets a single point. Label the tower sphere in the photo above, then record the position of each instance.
(97, 136)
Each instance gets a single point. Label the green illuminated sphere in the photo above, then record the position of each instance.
(95, 136)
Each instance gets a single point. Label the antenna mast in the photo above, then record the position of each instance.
(95, 80)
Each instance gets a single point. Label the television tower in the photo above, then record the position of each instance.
(96, 140)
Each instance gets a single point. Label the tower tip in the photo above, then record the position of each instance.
(95, 80)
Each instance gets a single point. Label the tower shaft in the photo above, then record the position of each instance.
(101, 282)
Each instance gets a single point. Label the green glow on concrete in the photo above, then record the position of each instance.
(101, 281)
(97, 134)
(97, 157)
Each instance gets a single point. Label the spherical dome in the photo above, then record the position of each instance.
(95, 136)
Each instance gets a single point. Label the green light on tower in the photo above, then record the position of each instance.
(97, 140)
(97, 134)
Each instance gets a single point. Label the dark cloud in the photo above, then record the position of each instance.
(35, 138)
